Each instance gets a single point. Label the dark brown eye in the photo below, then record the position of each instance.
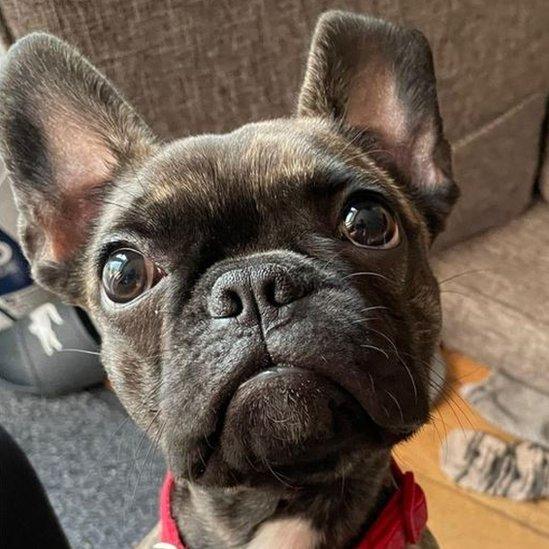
(370, 224)
(127, 274)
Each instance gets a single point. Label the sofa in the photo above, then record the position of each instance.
(210, 66)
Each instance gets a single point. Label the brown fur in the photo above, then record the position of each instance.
(347, 358)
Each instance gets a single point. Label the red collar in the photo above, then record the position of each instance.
(401, 521)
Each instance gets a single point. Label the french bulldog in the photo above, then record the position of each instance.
(268, 313)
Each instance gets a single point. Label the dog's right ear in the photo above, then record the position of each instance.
(65, 135)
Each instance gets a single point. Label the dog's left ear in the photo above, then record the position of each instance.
(373, 76)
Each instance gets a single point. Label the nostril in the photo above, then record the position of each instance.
(225, 304)
(255, 290)
(233, 303)
(269, 292)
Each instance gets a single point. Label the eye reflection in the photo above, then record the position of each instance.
(127, 274)
(370, 224)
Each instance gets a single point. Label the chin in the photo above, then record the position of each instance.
(293, 427)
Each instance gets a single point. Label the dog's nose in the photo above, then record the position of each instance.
(255, 291)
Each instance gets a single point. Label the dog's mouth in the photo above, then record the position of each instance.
(293, 425)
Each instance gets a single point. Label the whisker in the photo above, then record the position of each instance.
(142, 439)
(368, 273)
(376, 349)
(278, 476)
(372, 382)
(373, 308)
(82, 351)
(395, 400)
(432, 421)
(150, 452)
(401, 360)
(449, 394)
(98, 462)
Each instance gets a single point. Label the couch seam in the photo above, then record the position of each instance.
(479, 132)
(533, 320)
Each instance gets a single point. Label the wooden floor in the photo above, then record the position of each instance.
(459, 518)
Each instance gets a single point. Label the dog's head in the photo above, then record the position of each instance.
(264, 296)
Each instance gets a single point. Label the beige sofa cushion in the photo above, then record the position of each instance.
(495, 296)
(495, 168)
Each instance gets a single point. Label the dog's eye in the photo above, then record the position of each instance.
(127, 274)
(369, 224)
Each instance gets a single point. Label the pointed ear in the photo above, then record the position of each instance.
(375, 77)
(65, 135)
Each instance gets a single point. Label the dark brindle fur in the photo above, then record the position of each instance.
(345, 349)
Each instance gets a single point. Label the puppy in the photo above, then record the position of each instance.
(268, 313)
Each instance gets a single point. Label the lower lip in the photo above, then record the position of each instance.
(288, 370)
(275, 372)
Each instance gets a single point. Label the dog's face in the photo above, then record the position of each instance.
(264, 296)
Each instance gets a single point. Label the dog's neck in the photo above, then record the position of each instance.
(333, 514)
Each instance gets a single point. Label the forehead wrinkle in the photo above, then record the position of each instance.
(251, 166)
(183, 176)
(272, 157)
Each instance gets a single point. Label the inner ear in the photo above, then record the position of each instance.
(79, 156)
(66, 136)
(81, 165)
(378, 78)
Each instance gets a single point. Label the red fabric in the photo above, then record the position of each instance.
(169, 532)
(401, 521)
